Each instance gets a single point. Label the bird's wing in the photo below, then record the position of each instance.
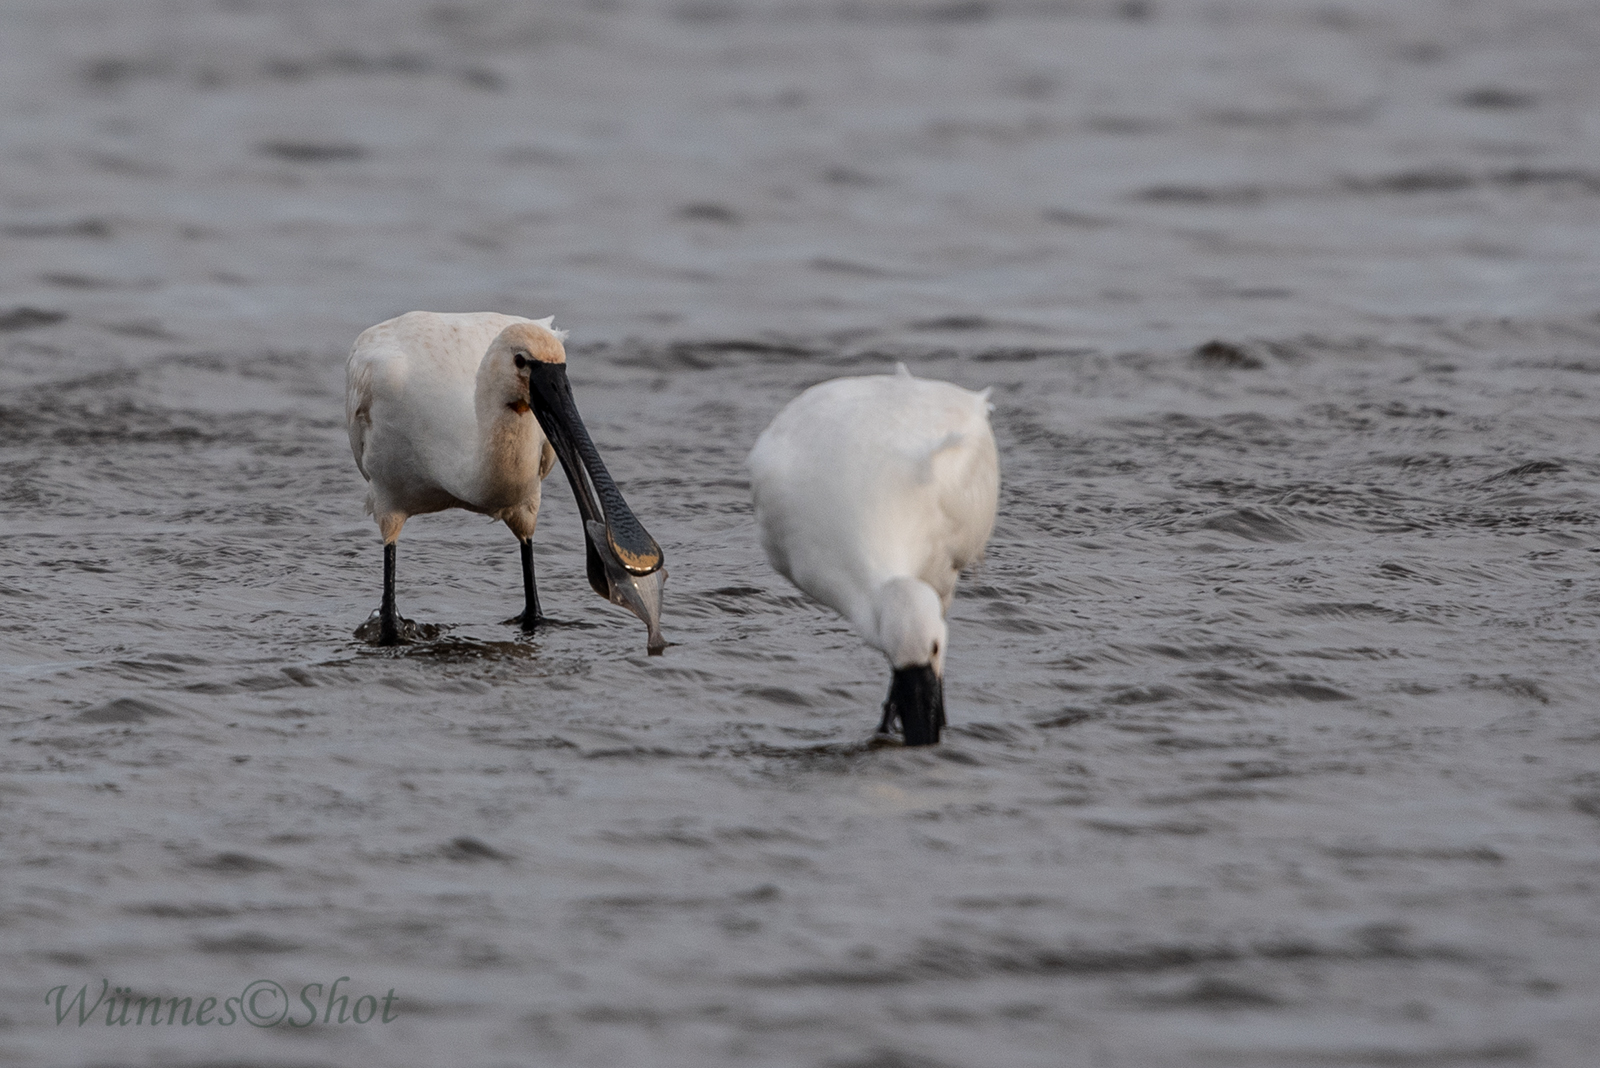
(965, 470)
(358, 404)
(923, 455)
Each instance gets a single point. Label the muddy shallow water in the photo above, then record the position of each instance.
(1273, 708)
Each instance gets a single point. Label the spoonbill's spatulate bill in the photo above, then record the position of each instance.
(871, 495)
(472, 411)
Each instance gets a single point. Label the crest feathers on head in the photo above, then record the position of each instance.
(547, 322)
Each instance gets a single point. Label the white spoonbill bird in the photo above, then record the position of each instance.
(872, 494)
(471, 411)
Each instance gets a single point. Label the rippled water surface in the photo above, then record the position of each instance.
(1273, 708)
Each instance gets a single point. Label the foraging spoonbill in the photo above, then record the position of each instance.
(871, 495)
(472, 411)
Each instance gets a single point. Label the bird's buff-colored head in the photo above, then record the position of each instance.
(535, 341)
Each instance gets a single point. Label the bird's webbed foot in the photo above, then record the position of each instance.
(395, 630)
(529, 623)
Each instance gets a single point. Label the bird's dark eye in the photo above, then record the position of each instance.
(521, 360)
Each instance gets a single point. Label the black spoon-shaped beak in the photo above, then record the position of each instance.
(625, 564)
(916, 697)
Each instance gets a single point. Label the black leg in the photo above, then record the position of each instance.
(887, 726)
(388, 618)
(531, 616)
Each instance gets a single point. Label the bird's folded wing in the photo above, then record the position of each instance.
(358, 408)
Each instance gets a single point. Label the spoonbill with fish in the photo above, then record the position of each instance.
(471, 411)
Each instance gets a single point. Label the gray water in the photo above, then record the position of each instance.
(1273, 707)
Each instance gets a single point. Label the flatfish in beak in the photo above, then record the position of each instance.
(639, 594)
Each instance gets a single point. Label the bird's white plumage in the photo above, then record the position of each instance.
(867, 488)
(433, 424)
